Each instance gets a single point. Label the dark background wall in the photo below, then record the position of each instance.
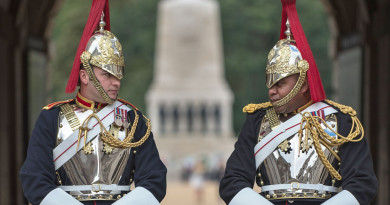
(24, 28)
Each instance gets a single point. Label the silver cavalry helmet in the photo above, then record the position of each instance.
(284, 60)
(104, 51)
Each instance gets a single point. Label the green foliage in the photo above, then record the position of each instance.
(250, 29)
(67, 30)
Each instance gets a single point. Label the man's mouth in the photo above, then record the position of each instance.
(273, 100)
(113, 91)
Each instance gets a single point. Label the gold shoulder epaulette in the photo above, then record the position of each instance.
(51, 105)
(343, 108)
(127, 103)
(251, 108)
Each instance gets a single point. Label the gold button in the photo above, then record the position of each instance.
(135, 152)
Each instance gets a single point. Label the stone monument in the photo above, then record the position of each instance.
(189, 102)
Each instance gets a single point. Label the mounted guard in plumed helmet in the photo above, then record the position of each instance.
(299, 133)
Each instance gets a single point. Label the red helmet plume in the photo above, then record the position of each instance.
(289, 11)
(98, 7)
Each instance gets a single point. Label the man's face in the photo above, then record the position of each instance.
(283, 87)
(110, 84)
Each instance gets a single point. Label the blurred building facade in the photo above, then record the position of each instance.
(189, 101)
(360, 51)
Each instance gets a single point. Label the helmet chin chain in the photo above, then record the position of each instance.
(293, 92)
(85, 57)
(103, 50)
(271, 112)
(285, 60)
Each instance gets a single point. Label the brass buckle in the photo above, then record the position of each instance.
(292, 186)
(96, 188)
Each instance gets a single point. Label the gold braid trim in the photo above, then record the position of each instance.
(70, 116)
(343, 108)
(251, 108)
(272, 117)
(127, 142)
(54, 104)
(319, 136)
(111, 140)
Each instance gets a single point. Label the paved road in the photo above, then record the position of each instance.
(181, 193)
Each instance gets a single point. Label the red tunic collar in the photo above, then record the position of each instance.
(88, 104)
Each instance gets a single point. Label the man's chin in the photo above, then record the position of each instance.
(113, 97)
(280, 110)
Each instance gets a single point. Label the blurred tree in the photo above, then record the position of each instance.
(250, 29)
(67, 29)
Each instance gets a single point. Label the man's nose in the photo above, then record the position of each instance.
(116, 81)
(272, 91)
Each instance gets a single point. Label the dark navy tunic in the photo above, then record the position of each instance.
(38, 175)
(356, 167)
